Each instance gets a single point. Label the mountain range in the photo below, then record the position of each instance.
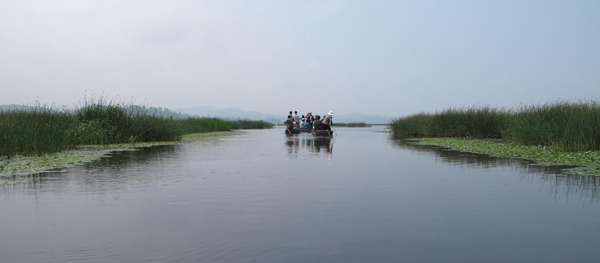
(237, 113)
(234, 113)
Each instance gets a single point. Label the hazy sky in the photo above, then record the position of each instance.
(379, 57)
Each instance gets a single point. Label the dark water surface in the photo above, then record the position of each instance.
(260, 196)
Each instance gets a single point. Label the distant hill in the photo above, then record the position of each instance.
(237, 113)
(233, 113)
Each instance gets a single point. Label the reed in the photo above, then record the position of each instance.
(352, 124)
(571, 126)
(42, 129)
(99, 121)
(249, 124)
(34, 130)
(417, 125)
(201, 125)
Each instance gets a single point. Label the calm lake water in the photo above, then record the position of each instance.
(262, 196)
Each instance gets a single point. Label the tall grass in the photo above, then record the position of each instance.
(474, 122)
(99, 121)
(352, 124)
(571, 126)
(38, 130)
(41, 129)
(249, 124)
(199, 125)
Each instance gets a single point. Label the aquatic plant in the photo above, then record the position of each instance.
(44, 129)
(34, 130)
(571, 126)
(249, 124)
(199, 125)
(351, 124)
(588, 161)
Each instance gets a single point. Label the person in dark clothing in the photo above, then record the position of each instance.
(317, 123)
(289, 123)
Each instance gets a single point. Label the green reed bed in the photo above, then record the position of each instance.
(249, 124)
(201, 125)
(567, 126)
(351, 124)
(101, 122)
(39, 130)
(42, 130)
(474, 122)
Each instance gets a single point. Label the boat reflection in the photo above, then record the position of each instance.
(587, 187)
(310, 145)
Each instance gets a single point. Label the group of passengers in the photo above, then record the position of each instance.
(309, 121)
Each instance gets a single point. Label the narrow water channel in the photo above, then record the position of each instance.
(262, 196)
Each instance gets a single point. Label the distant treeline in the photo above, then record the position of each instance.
(352, 124)
(571, 126)
(43, 129)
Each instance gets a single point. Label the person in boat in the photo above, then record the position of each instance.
(289, 123)
(309, 120)
(328, 121)
(296, 118)
(302, 122)
(317, 124)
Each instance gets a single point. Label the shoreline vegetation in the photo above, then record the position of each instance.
(45, 130)
(557, 133)
(352, 124)
(21, 165)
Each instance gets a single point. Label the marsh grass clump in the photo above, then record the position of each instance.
(567, 126)
(358, 124)
(201, 125)
(417, 125)
(36, 129)
(41, 129)
(474, 122)
(249, 124)
(103, 122)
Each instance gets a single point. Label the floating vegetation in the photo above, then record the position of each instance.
(587, 162)
(203, 136)
(24, 165)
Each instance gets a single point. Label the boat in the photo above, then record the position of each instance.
(293, 131)
(306, 129)
(322, 133)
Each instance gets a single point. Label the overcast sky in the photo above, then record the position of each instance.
(379, 57)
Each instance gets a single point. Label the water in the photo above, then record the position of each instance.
(261, 196)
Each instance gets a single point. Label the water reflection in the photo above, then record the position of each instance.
(121, 168)
(474, 160)
(304, 143)
(587, 187)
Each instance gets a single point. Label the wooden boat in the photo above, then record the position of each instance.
(293, 131)
(322, 133)
(306, 129)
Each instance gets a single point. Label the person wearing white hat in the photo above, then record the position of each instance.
(328, 121)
